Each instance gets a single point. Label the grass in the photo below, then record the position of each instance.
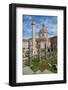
(35, 64)
(43, 65)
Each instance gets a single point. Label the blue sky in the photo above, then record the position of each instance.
(50, 23)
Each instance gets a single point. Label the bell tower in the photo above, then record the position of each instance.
(43, 32)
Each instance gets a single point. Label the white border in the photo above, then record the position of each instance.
(19, 25)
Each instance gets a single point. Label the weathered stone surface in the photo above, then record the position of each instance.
(27, 70)
(46, 71)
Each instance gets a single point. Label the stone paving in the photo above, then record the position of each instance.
(28, 71)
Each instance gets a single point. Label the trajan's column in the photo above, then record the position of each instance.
(33, 39)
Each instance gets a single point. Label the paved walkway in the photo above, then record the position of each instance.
(28, 71)
(46, 71)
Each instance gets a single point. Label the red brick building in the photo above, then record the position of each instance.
(53, 41)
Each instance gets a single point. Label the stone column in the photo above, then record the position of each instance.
(33, 38)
